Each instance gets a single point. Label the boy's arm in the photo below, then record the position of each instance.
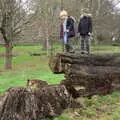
(79, 27)
(90, 25)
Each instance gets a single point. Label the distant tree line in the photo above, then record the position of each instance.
(37, 21)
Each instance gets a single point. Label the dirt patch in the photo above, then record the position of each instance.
(37, 54)
(3, 55)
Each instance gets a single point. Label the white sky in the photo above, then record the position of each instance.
(118, 6)
(116, 1)
(26, 7)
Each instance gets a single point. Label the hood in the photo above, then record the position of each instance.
(87, 15)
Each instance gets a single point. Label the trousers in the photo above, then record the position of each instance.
(66, 43)
(85, 43)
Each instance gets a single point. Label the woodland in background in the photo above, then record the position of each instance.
(34, 22)
(45, 22)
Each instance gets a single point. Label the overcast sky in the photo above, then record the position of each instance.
(114, 0)
(118, 5)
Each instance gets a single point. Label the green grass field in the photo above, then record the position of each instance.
(34, 67)
(26, 67)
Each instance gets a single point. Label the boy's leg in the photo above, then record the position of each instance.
(87, 44)
(63, 45)
(70, 44)
(67, 46)
(82, 43)
(65, 42)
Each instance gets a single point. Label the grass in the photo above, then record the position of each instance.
(26, 67)
(105, 49)
(97, 108)
(33, 67)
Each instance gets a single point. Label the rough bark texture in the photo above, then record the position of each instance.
(8, 63)
(87, 74)
(33, 103)
(59, 62)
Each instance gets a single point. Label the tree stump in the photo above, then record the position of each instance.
(87, 74)
(22, 103)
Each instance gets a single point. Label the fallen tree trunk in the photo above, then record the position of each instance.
(87, 74)
(31, 104)
(92, 59)
(61, 60)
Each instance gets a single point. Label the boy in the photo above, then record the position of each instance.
(85, 30)
(67, 29)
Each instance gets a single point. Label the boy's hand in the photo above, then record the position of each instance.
(67, 30)
(77, 35)
(89, 33)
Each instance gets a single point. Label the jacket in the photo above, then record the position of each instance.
(85, 25)
(70, 28)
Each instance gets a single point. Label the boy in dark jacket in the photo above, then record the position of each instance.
(85, 30)
(67, 30)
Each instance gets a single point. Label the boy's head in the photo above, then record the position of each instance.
(84, 11)
(63, 14)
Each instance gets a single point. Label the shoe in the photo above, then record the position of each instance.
(82, 53)
(72, 51)
(88, 53)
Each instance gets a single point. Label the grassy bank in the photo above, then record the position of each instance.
(36, 67)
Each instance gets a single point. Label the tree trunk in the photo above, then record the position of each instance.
(61, 62)
(8, 56)
(22, 103)
(87, 74)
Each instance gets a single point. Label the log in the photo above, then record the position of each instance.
(99, 80)
(55, 64)
(23, 103)
(116, 44)
(91, 59)
(96, 72)
(37, 54)
(59, 62)
(87, 74)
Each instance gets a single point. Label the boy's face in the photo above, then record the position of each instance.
(63, 17)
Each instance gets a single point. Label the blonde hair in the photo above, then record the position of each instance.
(63, 13)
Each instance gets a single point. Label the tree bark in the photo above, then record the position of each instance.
(8, 56)
(59, 63)
(32, 104)
(87, 74)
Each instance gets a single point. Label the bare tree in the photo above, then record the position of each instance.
(15, 14)
(13, 17)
